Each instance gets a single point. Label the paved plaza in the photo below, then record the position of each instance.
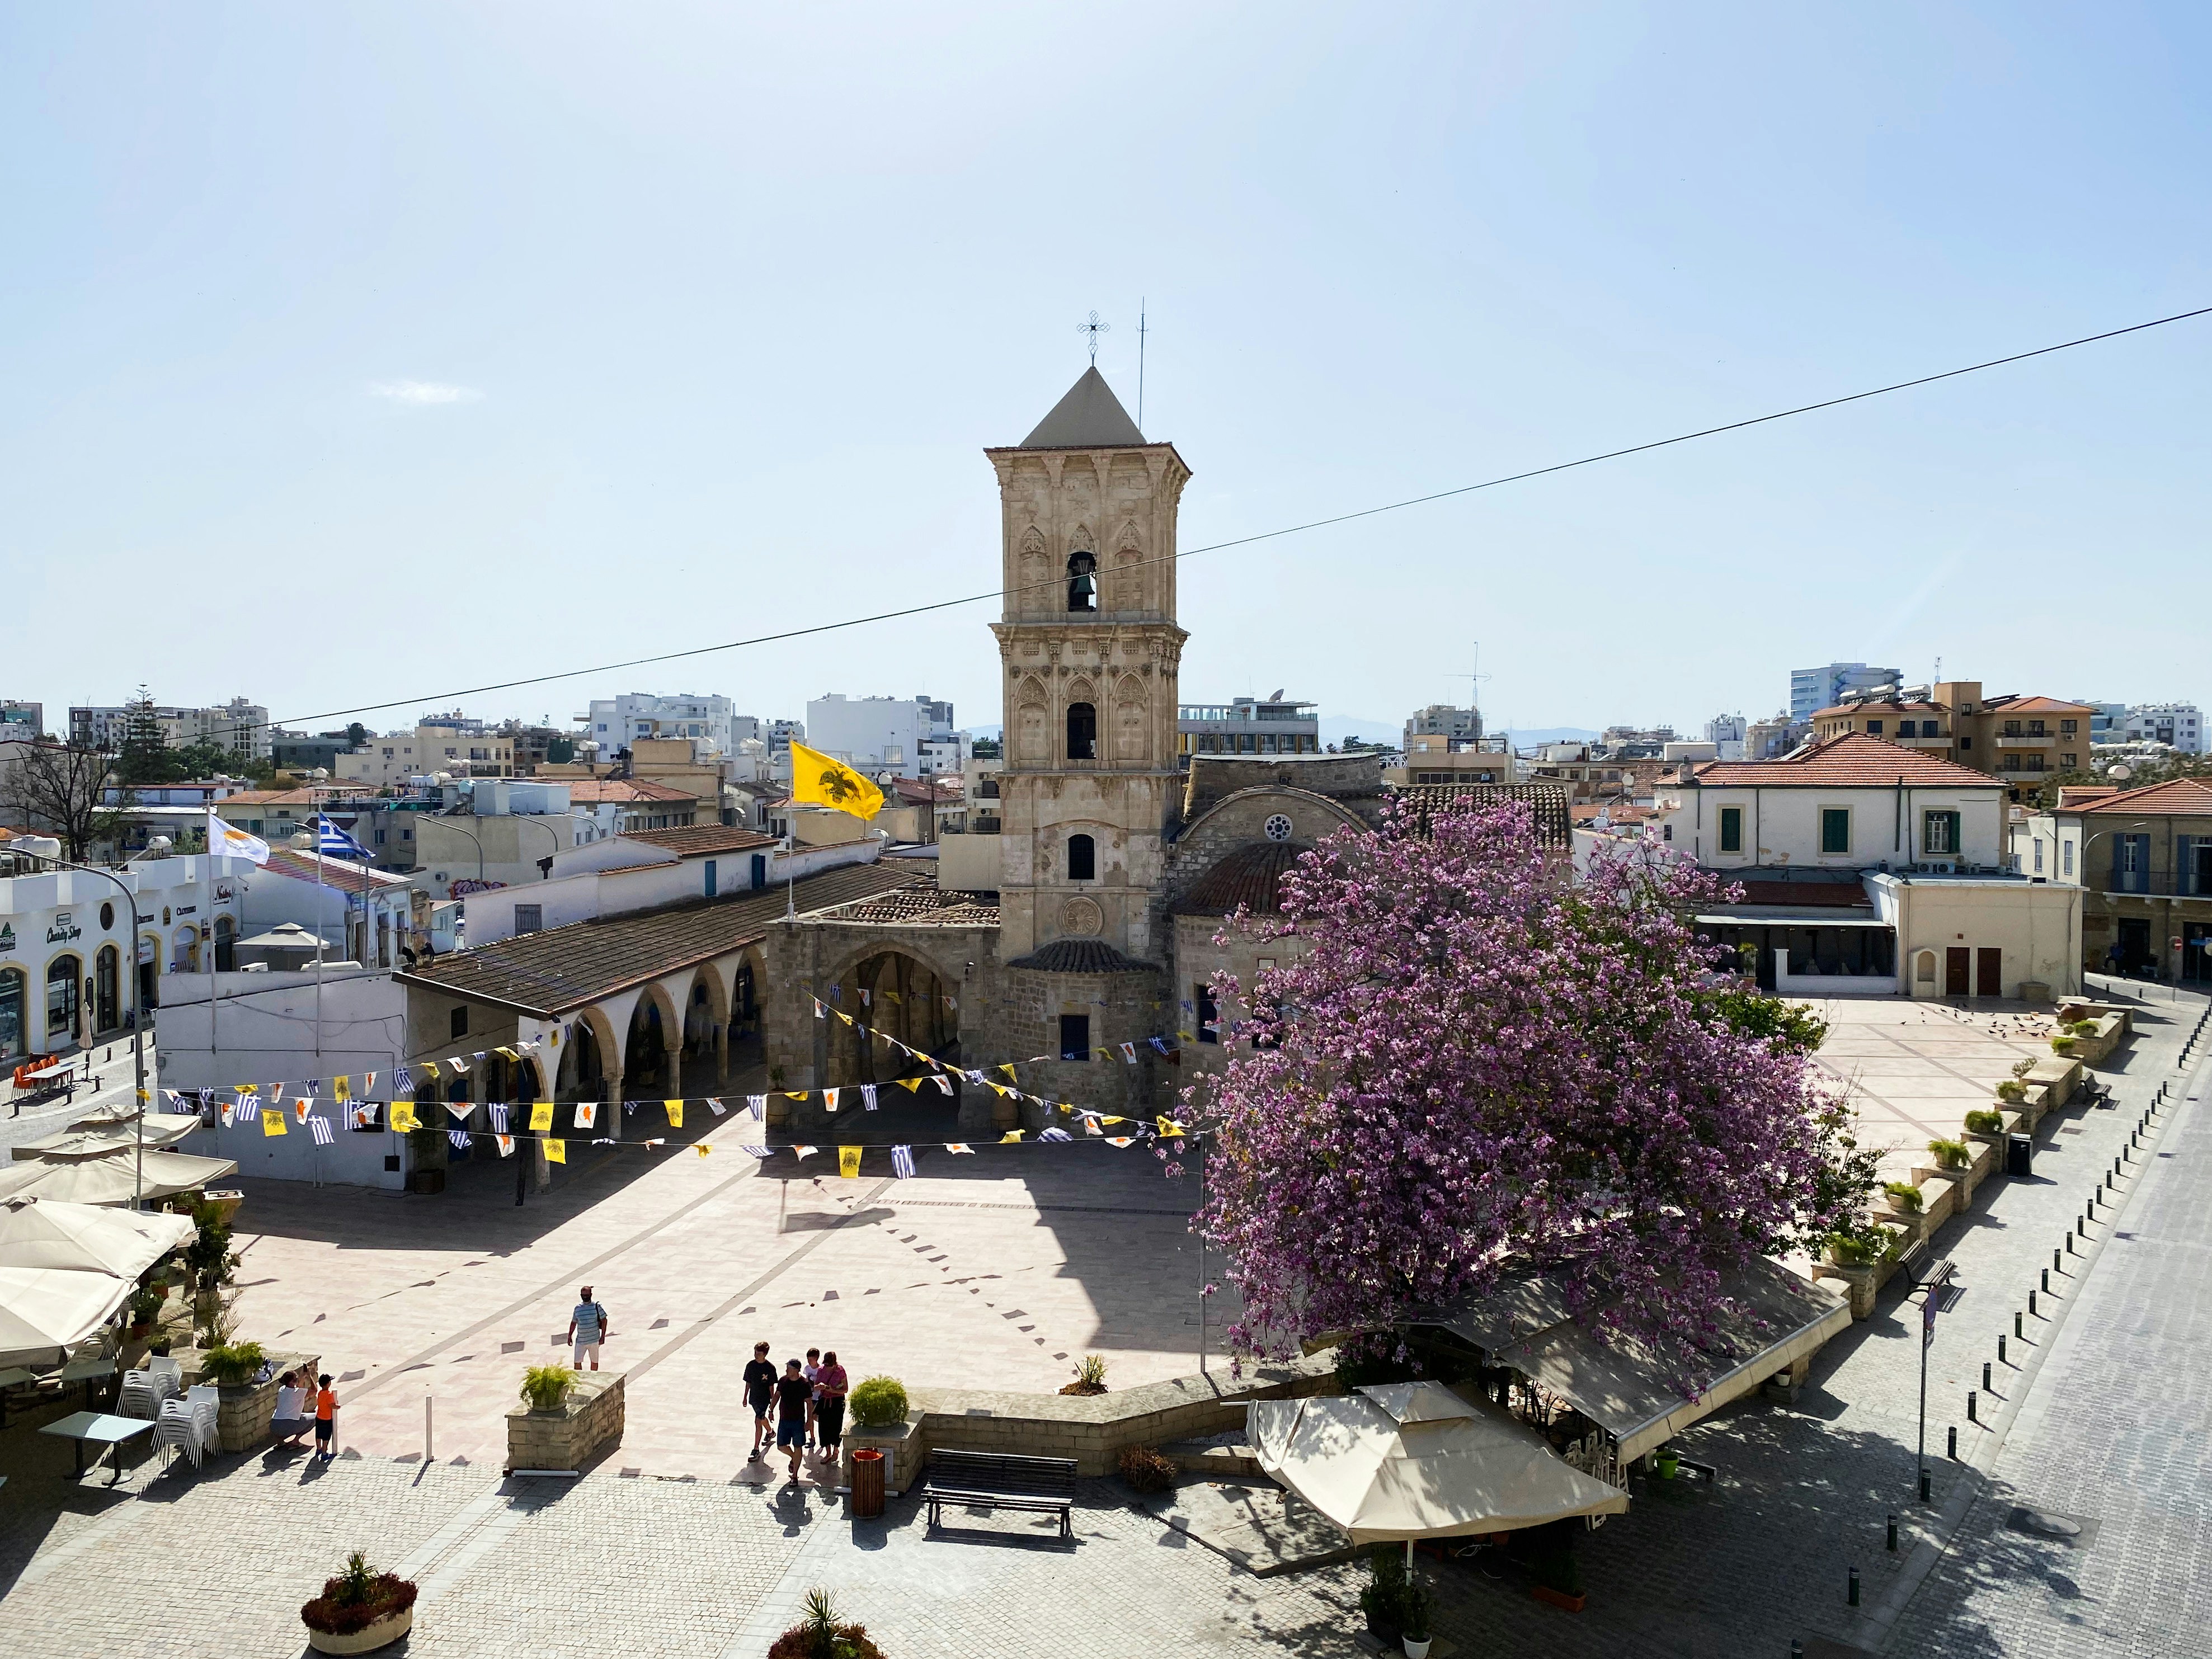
(2097, 1415)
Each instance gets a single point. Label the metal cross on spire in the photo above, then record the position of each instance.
(1094, 328)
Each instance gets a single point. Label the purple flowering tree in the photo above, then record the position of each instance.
(1476, 1066)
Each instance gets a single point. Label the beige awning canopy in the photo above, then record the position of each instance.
(43, 1311)
(114, 1179)
(1419, 1460)
(1619, 1384)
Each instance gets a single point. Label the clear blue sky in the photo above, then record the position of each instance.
(359, 352)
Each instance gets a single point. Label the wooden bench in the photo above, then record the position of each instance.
(1000, 1481)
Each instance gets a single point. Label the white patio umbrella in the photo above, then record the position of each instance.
(45, 1310)
(43, 1232)
(162, 1129)
(113, 1179)
(1419, 1459)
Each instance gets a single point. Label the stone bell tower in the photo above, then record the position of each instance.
(1089, 650)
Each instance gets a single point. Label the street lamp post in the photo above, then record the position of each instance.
(138, 1026)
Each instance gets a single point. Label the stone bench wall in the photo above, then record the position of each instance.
(589, 1422)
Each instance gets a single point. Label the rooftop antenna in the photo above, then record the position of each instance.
(1140, 364)
(1094, 328)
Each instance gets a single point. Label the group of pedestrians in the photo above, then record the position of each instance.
(805, 1402)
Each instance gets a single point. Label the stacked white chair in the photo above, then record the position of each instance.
(205, 1401)
(143, 1392)
(191, 1423)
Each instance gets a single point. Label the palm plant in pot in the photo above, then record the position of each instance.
(1383, 1600)
(1415, 1637)
(546, 1386)
(359, 1610)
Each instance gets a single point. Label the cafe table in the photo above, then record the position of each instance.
(83, 1429)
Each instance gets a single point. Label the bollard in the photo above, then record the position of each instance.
(1892, 1535)
(2001, 1359)
(1951, 1450)
(1855, 1576)
(2016, 1330)
(2069, 1249)
(2046, 1278)
(1985, 1376)
(1796, 1649)
(1924, 1479)
(2032, 1314)
(1971, 1417)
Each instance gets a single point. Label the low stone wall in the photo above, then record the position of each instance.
(243, 1414)
(589, 1422)
(1092, 1428)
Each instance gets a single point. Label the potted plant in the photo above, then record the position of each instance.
(1090, 1375)
(1949, 1154)
(1383, 1599)
(2012, 1090)
(1904, 1197)
(546, 1386)
(233, 1364)
(1850, 1251)
(359, 1610)
(1144, 1469)
(1985, 1122)
(821, 1635)
(879, 1402)
(1415, 1637)
(2062, 1045)
(1558, 1578)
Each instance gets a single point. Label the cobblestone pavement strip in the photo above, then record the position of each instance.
(176, 1565)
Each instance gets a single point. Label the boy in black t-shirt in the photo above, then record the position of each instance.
(760, 1394)
(794, 1395)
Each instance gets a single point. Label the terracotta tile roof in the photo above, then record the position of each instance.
(1851, 761)
(567, 968)
(924, 905)
(597, 790)
(1546, 801)
(1081, 956)
(347, 878)
(2179, 798)
(695, 840)
(1247, 876)
(2015, 703)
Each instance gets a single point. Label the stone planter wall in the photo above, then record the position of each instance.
(1092, 1428)
(243, 1414)
(902, 1445)
(588, 1423)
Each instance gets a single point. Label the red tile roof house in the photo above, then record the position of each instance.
(1873, 869)
(2144, 857)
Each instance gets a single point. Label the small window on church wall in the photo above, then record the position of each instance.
(1082, 859)
(1082, 732)
(1082, 582)
(1075, 1036)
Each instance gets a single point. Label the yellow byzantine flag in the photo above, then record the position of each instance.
(815, 777)
(848, 1163)
(675, 1112)
(341, 1088)
(272, 1123)
(557, 1152)
(541, 1115)
(403, 1116)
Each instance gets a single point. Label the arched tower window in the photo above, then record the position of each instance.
(1082, 732)
(1082, 581)
(1082, 859)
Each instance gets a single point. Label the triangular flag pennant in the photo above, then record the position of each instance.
(848, 1162)
(805, 1151)
(460, 1110)
(1091, 1126)
(959, 1147)
(1119, 1140)
(910, 1083)
(794, 1094)
(1170, 1130)
(1009, 1070)
(431, 1067)
(820, 1013)
(505, 1054)
(458, 1064)
(864, 996)
(675, 1112)
(541, 1116)
(702, 1148)
(847, 1018)
(1010, 1135)
(505, 1145)
(943, 1082)
(587, 1113)
(716, 1106)
(557, 1152)
(272, 1122)
(829, 1100)
(1102, 1119)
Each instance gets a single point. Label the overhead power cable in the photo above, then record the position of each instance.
(1261, 536)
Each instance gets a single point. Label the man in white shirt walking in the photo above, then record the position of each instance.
(587, 1328)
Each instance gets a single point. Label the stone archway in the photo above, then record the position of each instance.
(652, 1047)
(888, 991)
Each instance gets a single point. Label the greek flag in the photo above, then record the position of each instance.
(333, 842)
(402, 1082)
(902, 1162)
(459, 1137)
(758, 1105)
(755, 1151)
(321, 1128)
(1055, 1134)
(313, 1085)
(868, 1096)
(499, 1118)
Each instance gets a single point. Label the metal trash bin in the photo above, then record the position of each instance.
(868, 1483)
(2020, 1155)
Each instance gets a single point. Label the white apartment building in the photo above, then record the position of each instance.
(390, 761)
(876, 732)
(616, 722)
(2178, 725)
(239, 726)
(1812, 689)
(1442, 720)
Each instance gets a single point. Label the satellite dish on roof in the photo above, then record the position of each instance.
(1275, 695)
(2121, 771)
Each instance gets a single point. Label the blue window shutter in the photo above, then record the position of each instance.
(710, 877)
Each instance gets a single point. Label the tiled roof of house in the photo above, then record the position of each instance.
(566, 968)
(1547, 803)
(347, 878)
(1081, 956)
(695, 840)
(1248, 876)
(595, 790)
(1851, 761)
(2180, 798)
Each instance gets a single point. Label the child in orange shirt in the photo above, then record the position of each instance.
(326, 1415)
